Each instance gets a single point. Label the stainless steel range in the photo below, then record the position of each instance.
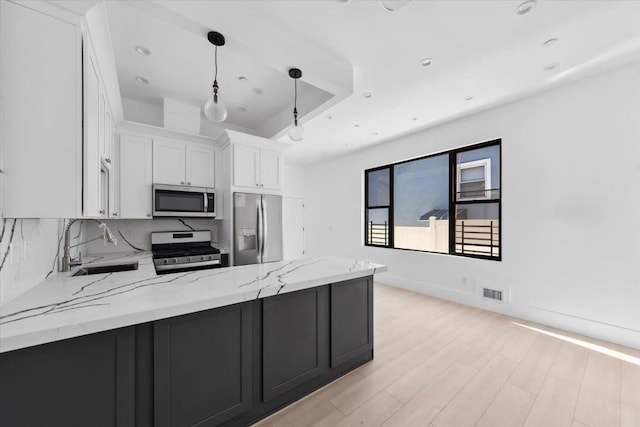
(175, 251)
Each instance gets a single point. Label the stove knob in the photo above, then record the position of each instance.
(166, 261)
(210, 257)
(175, 260)
(201, 258)
(188, 259)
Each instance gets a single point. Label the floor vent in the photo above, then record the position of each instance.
(492, 294)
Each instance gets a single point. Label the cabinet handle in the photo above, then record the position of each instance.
(181, 182)
(148, 215)
(188, 183)
(101, 212)
(107, 160)
(114, 214)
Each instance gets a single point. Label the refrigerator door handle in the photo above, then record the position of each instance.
(259, 231)
(265, 234)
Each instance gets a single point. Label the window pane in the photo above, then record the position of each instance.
(478, 229)
(379, 187)
(472, 174)
(471, 167)
(378, 227)
(421, 204)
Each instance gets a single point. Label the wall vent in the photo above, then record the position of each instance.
(492, 294)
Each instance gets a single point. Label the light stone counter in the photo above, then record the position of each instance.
(64, 306)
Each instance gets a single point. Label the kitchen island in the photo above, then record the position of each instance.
(223, 346)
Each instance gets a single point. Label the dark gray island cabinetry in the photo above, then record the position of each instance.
(228, 366)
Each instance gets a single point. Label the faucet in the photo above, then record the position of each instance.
(67, 261)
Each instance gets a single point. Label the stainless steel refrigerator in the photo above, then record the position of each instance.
(257, 234)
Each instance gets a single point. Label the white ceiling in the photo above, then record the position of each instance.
(479, 48)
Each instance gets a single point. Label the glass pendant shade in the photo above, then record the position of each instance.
(296, 130)
(215, 110)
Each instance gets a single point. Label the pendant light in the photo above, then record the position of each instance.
(214, 109)
(295, 130)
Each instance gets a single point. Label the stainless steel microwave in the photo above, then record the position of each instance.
(183, 201)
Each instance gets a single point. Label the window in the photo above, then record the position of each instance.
(445, 203)
(378, 206)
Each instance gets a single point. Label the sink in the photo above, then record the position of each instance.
(100, 269)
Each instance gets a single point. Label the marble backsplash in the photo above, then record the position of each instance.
(21, 269)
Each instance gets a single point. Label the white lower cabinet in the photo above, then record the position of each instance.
(136, 177)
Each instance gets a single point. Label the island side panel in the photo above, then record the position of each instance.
(351, 319)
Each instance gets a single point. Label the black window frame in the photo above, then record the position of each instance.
(453, 203)
(389, 207)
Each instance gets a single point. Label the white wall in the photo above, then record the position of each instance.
(571, 165)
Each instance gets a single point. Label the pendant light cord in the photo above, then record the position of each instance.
(215, 78)
(295, 94)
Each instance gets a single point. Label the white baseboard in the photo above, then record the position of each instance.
(591, 328)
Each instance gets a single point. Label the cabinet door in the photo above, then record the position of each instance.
(200, 165)
(168, 162)
(40, 114)
(94, 130)
(108, 133)
(84, 381)
(293, 351)
(351, 319)
(202, 367)
(270, 169)
(136, 177)
(245, 166)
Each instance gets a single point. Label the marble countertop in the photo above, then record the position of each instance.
(64, 306)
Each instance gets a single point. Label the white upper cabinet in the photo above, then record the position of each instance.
(169, 162)
(136, 176)
(245, 166)
(93, 133)
(256, 168)
(40, 114)
(98, 180)
(200, 165)
(270, 169)
(183, 163)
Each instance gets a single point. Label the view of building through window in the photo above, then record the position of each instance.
(409, 204)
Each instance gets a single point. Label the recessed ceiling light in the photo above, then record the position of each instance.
(425, 62)
(525, 7)
(414, 118)
(374, 133)
(367, 95)
(141, 80)
(328, 117)
(256, 91)
(143, 50)
(394, 5)
(550, 42)
(356, 126)
(551, 67)
(242, 109)
(468, 97)
(242, 78)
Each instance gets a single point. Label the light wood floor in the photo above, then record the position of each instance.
(437, 364)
